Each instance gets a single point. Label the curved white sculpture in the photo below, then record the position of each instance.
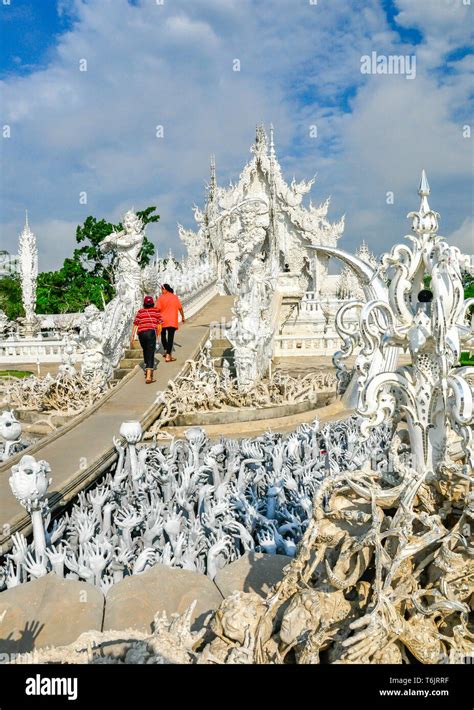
(432, 393)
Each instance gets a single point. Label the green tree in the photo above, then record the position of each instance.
(70, 289)
(10, 296)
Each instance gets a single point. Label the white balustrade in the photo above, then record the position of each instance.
(323, 344)
(193, 302)
(30, 350)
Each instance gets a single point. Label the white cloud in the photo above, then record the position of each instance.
(463, 237)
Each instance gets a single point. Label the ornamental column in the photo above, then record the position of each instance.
(28, 263)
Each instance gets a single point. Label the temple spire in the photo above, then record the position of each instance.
(272, 142)
(213, 180)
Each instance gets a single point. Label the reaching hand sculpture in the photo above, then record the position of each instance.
(63, 394)
(195, 504)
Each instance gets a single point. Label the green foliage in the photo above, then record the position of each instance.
(10, 296)
(71, 289)
(469, 291)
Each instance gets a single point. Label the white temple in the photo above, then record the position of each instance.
(263, 216)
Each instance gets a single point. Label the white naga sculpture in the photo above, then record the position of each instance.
(28, 263)
(261, 214)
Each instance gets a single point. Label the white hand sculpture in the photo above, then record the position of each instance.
(34, 568)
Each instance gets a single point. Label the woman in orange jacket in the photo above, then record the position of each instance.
(169, 306)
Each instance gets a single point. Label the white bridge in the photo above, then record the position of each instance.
(51, 349)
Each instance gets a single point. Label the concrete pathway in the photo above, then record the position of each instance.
(80, 451)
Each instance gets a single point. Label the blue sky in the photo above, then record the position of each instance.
(171, 65)
(28, 32)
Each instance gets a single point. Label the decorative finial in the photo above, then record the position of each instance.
(425, 221)
(424, 189)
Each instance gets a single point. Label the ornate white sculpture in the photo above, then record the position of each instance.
(91, 337)
(28, 261)
(29, 484)
(204, 388)
(10, 432)
(4, 322)
(69, 354)
(127, 245)
(385, 564)
(52, 398)
(104, 334)
(433, 393)
(254, 323)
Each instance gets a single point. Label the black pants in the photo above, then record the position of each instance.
(147, 340)
(167, 339)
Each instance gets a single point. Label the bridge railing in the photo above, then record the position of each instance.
(198, 298)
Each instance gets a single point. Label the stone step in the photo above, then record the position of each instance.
(130, 363)
(219, 352)
(120, 373)
(135, 353)
(221, 342)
